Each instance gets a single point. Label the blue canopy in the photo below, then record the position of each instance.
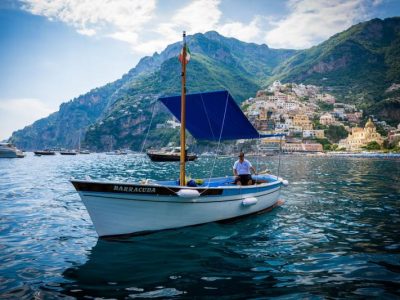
(213, 116)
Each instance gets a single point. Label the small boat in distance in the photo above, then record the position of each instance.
(44, 152)
(68, 152)
(84, 152)
(117, 152)
(8, 150)
(169, 154)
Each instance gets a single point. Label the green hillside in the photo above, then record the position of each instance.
(357, 65)
(117, 115)
(360, 65)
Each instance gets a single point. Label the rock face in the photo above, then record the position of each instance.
(358, 65)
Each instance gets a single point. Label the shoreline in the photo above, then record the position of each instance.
(335, 154)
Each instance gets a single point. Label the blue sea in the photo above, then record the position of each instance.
(337, 234)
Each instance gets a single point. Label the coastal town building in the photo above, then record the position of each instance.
(352, 117)
(271, 144)
(301, 147)
(394, 136)
(360, 137)
(318, 133)
(302, 121)
(327, 98)
(326, 119)
(289, 108)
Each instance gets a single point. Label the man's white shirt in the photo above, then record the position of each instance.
(242, 168)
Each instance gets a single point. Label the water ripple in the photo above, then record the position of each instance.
(336, 236)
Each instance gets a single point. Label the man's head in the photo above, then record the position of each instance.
(241, 155)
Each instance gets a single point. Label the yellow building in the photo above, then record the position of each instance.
(360, 137)
(327, 119)
(302, 121)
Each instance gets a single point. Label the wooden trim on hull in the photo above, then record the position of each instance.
(189, 201)
(137, 189)
(156, 190)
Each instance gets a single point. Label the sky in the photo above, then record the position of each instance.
(52, 51)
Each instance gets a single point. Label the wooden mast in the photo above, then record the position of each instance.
(182, 176)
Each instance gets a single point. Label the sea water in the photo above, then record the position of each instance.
(337, 235)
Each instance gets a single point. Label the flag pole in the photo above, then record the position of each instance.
(182, 176)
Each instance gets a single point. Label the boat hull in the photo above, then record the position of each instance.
(11, 154)
(44, 153)
(68, 153)
(120, 209)
(169, 157)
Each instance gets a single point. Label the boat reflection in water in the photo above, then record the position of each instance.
(186, 262)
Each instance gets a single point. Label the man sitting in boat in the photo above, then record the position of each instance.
(242, 171)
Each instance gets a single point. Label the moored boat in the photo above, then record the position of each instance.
(169, 154)
(119, 208)
(68, 152)
(44, 152)
(8, 150)
(124, 208)
(117, 152)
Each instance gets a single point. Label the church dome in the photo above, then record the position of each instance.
(369, 124)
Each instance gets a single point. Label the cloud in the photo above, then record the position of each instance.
(312, 21)
(244, 32)
(146, 28)
(132, 21)
(17, 113)
(198, 16)
(122, 19)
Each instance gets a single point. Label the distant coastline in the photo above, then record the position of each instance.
(339, 154)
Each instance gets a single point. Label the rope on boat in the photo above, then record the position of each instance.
(258, 153)
(279, 160)
(148, 129)
(219, 141)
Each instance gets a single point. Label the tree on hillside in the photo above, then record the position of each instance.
(335, 133)
(372, 146)
(326, 145)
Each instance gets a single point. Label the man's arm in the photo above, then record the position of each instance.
(253, 169)
(234, 169)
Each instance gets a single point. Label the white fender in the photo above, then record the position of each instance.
(188, 193)
(249, 201)
(284, 181)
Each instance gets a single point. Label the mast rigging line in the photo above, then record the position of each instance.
(219, 140)
(148, 129)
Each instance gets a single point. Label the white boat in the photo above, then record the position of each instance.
(120, 208)
(117, 152)
(8, 150)
(68, 152)
(125, 208)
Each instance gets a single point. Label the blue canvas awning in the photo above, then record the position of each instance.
(205, 116)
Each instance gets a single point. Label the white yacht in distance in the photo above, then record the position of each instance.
(8, 150)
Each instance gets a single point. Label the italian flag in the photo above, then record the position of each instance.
(187, 55)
